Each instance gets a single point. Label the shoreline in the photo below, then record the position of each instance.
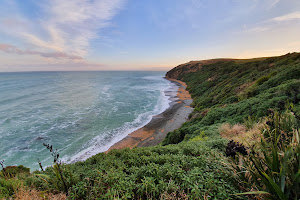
(156, 130)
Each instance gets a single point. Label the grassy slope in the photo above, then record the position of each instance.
(227, 91)
(232, 91)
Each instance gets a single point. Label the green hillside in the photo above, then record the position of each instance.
(230, 91)
(191, 162)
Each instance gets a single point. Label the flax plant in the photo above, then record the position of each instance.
(271, 169)
(57, 167)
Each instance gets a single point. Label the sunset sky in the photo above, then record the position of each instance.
(50, 35)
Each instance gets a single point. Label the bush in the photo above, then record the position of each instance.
(192, 168)
(262, 79)
(272, 165)
(174, 137)
(12, 171)
(9, 186)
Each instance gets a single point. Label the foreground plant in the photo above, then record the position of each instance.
(272, 168)
(3, 168)
(56, 167)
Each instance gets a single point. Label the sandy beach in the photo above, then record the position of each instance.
(156, 130)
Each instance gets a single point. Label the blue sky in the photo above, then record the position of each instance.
(142, 34)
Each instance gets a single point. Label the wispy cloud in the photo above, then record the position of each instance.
(73, 24)
(7, 48)
(64, 29)
(287, 17)
(270, 23)
(274, 3)
(256, 29)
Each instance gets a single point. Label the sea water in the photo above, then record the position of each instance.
(79, 113)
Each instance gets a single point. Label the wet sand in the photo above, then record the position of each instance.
(156, 130)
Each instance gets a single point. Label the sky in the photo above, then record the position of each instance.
(81, 35)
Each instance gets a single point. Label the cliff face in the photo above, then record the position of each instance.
(192, 66)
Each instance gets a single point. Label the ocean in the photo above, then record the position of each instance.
(79, 113)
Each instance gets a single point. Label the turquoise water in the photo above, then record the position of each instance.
(79, 113)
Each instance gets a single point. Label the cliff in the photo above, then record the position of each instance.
(231, 90)
(192, 66)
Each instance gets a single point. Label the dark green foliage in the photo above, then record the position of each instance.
(232, 91)
(8, 187)
(11, 179)
(175, 137)
(263, 79)
(143, 173)
(12, 171)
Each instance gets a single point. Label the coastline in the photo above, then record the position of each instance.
(156, 130)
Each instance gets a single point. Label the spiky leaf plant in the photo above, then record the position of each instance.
(271, 169)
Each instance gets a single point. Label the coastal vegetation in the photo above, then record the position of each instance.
(272, 165)
(254, 102)
(233, 91)
(241, 142)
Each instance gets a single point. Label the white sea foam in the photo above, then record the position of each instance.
(73, 112)
(100, 143)
(105, 91)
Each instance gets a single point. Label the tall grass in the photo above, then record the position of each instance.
(272, 166)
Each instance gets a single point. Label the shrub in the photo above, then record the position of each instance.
(174, 137)
(262, 79)
(229, 131)
(272, 167)
(249, 122)
(12, 171)
(200, 137)
(9, 186)
(189, 168)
